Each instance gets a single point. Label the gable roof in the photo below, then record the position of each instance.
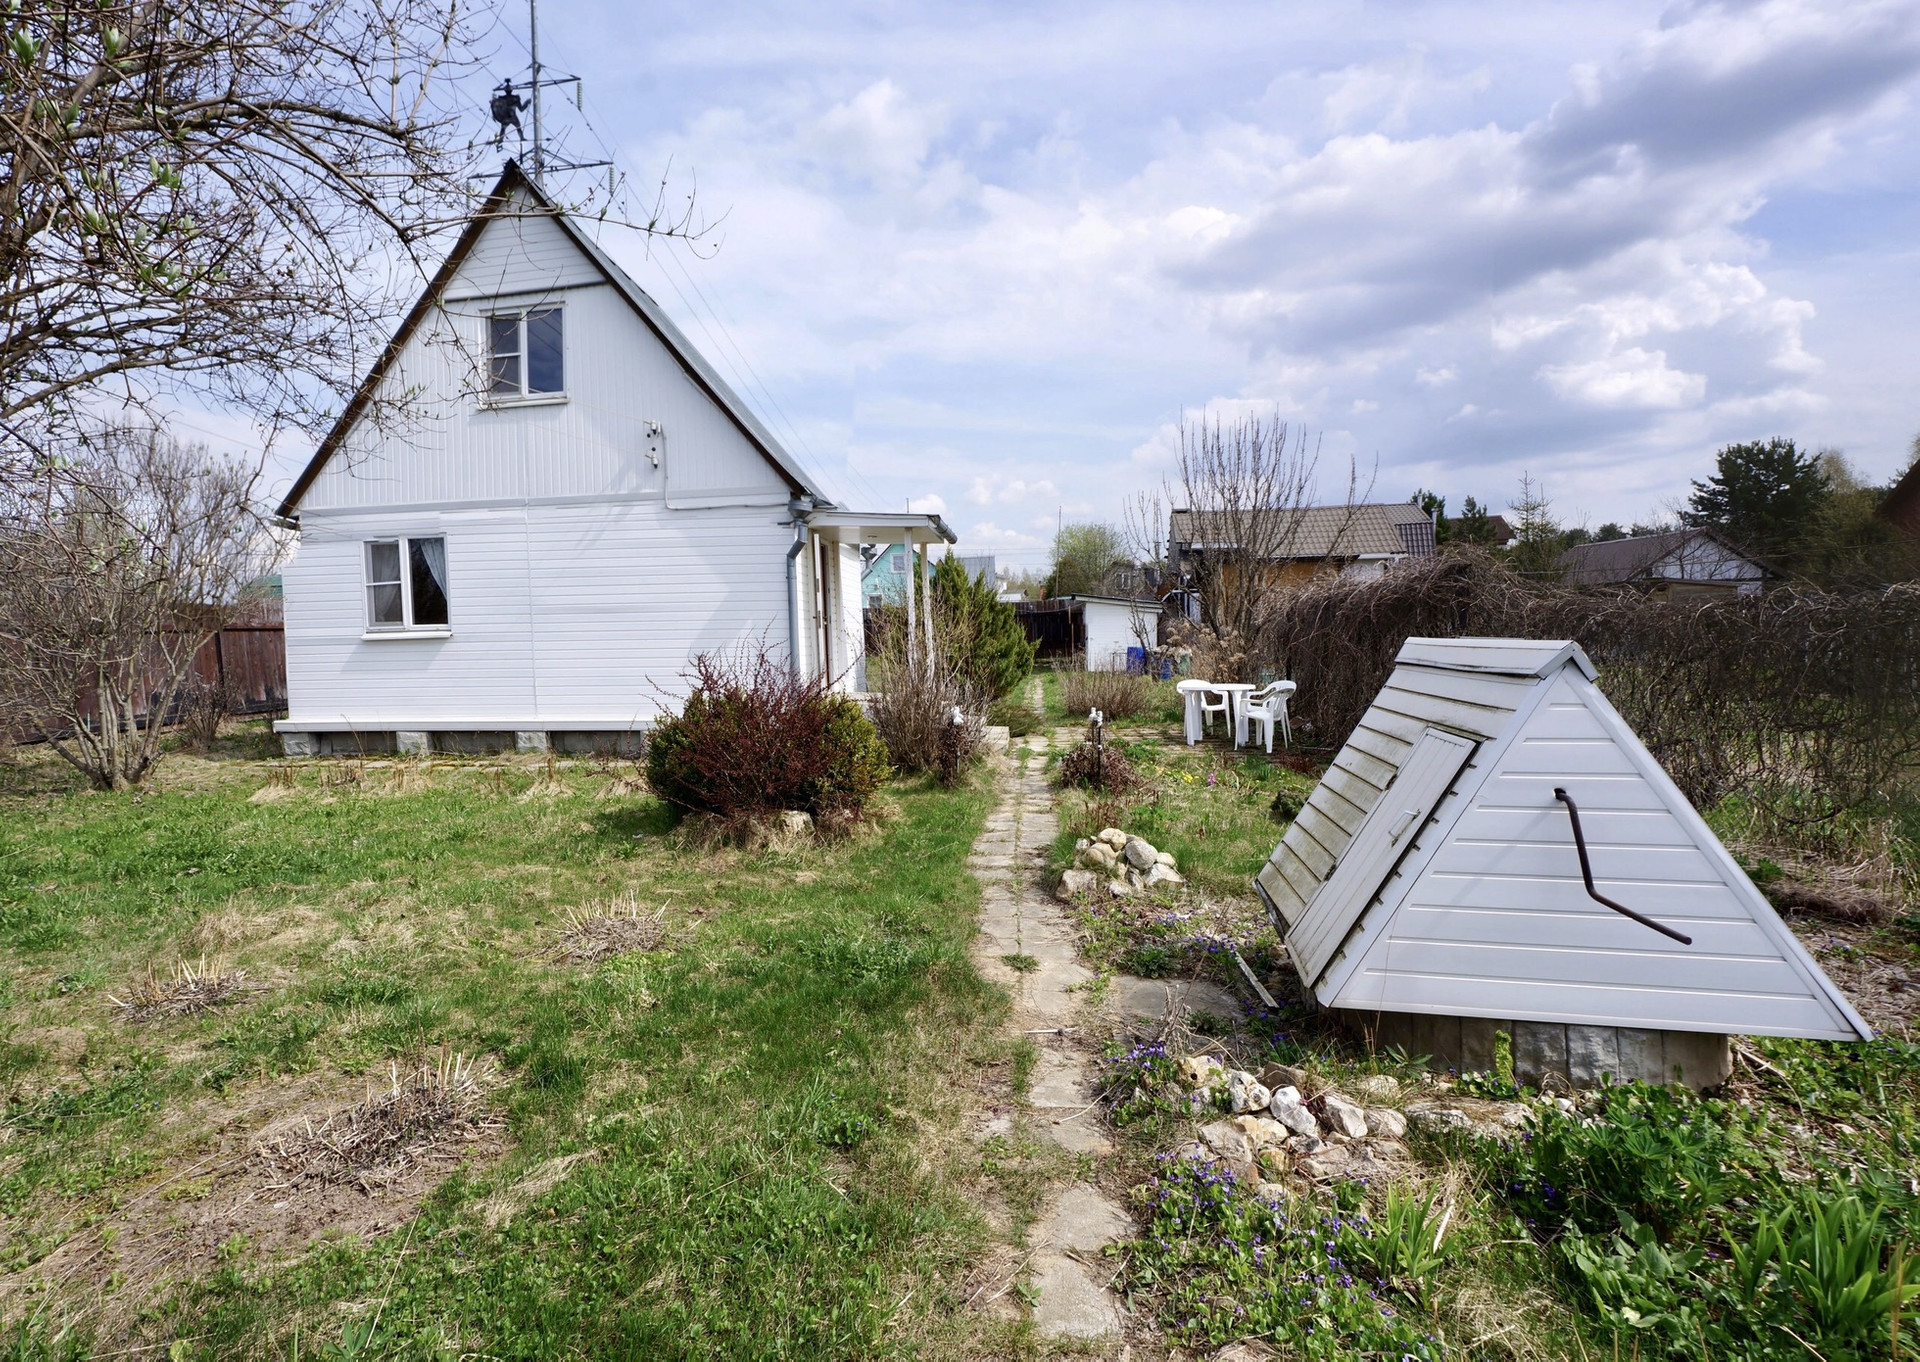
(1457, 887)
(1304, 531)
(1626, 560)
(498, 205)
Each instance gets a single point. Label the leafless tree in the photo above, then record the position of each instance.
(220, 196)
(118, 562)
(1240, 502)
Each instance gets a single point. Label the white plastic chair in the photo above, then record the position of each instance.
(1216, 702)
(1268, 706)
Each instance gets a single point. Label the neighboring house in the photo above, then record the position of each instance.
(1298, 544)
(885, 580)
(1098, 629)
(574, 506)
(1672, 565)
(1901, 506)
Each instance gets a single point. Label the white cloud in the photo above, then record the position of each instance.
(997, 252)
(931, 504)
(1631, 378)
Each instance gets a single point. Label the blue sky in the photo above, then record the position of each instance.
(982, 257)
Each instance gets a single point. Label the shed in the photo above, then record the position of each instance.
(1671, 565)
(1433, 888)
(1099, 628)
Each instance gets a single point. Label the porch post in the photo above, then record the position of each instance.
(913, 627)
(926, 592)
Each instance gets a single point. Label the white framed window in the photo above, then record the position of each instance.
(526, 355)
(407, 585)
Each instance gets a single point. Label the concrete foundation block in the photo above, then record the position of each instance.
(1539, 1052)
(411, 743)
(300, 744)
(1697, 1059)
(1591, 1052)
(1476, 1043)
(1643, 1055)
(530, 742)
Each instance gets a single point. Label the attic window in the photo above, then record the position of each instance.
(525, 357)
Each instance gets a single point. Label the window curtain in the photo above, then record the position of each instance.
(434, 551)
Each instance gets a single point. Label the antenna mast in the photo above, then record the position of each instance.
(539, 137)
(507, 104)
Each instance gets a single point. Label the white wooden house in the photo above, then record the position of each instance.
(540, 504)
(1435, 886)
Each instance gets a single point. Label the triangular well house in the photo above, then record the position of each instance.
(1495, 851)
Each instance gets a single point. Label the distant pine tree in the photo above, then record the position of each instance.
(1764, 495)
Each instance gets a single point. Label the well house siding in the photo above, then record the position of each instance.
(581, 615)
(1476, 705)
(1496, 922)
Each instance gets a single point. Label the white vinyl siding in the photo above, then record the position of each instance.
(1390, 830)
(1488, 915)
(456, 449)
(568, 616)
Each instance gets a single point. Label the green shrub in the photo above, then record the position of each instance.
(1648, 1155)
(979, 632)
(753, 740)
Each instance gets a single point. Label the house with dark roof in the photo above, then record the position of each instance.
(1293, 545)
(540, 504)
(1676, 564)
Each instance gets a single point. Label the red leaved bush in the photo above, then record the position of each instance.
(754, 740)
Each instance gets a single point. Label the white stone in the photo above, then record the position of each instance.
(530, 740)
(1246, 1093)
(1262, 1131)
(1231, 1145)
(1140, 853)
(1113, 837)
(1439, 1118)
(300, 744)
(1201, 1071)
(796, 822)
(1161, 873)
(1386, 1122)
(1293, 1114)
(1376, 1088)
(1342, 1116)
(410, 743)
(1120, 889)
(1075, 882)
(1081, 844)
(1166, 858)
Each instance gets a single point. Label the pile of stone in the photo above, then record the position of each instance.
(1275, 1131)
(1125, 864)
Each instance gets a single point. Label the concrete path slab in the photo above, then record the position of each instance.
(1067, 1271)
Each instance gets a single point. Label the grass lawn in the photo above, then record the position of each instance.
(735, 1143)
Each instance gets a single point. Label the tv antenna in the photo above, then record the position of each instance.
(507, 103)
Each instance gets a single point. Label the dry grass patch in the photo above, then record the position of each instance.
(609, 927)
(187, 991)
(424, 1117)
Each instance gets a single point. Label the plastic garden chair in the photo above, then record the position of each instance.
(1267, 707)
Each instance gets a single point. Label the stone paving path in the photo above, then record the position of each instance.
(1018, 919)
